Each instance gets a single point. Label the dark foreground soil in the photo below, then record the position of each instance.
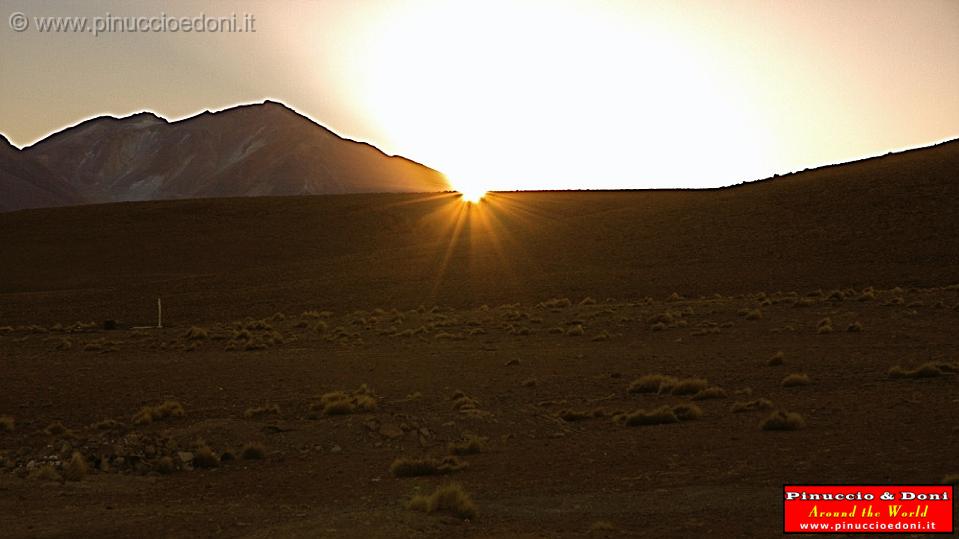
(537, 474)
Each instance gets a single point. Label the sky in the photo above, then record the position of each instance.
(520, 94)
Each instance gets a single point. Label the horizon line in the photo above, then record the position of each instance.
(267, 100)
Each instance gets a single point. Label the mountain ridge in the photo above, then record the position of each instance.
(253, 149)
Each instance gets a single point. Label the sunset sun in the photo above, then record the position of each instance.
(470, 193)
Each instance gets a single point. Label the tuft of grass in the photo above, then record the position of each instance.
(55, 429)
(46, 473)
(149, 414)
(776, 359)
(750, 406)
(465, 403)
(576, 330)
(754, 314)
(410, 467)
(449, 498)
(824, 326)
(781, 420)
(470, 444)
(529, 382)
(601, 336)
(197, 333)
(855, 327)
(341, 403)
(926, 370)
(687, 411)
(253, 451)
(251, 413)
(951, 479)
(7, 423)
(108, 424)
(868, 294)
(204, 457)
(651, 383)
(602, 526)
(76, 469)
(713, 392)
(556, 303)
(660, 416)
(796, 379)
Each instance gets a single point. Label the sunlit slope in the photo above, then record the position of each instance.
(883, 222)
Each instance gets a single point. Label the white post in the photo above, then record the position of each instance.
(159, 314)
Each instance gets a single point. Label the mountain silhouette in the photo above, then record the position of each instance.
(250, 150)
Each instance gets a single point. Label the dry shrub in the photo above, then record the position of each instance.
(855, 327)
(529, 382)
(7, 423)
(410, 467)
(751, 406)
(149, 414)
(796, 379)
(76, 469)
(253, 451)
(463, 402)
(108, 424)
(470, 444)
(555, 303)
(576, 330)
(203, 457)
(361, 399)
(447, 498)
(688, 386)
(781, 420)
(55, 429)
(824, 326)
(196, 333)
(601, 526)
(754, 314)
(251, 413)
(951, 479)
(651, 383)
(926, 370)
(659, 416)
(46, 472)
(601, 336)
(776, 359)
(687, 411)
(868, 294)
(713, 392)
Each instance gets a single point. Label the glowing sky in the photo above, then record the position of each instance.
(527, 94)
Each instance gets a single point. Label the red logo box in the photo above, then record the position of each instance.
(846, 509)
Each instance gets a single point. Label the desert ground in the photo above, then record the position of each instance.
(327, 362)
